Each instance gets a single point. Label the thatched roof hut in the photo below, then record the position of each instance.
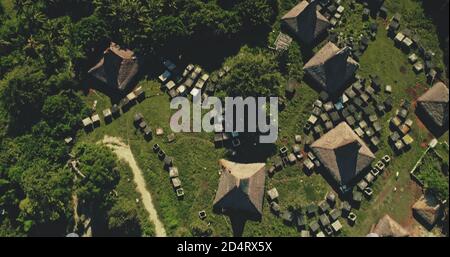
(117, 68)
(433, 107)
(241, 189)
(305, 22)
(388, 227)
(427, 210)
(343, 154)
(331, 68)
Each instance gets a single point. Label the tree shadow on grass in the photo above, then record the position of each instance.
(211, 53)
(251, 151)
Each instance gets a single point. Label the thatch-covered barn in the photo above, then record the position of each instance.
(432, 108)
(343, 154)
(427, 210)
(305, 22)
(117, 68)
(331, 68)
(388, 227)
(241, 189)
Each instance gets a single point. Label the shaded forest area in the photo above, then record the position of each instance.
(46, 48)
(438, 10)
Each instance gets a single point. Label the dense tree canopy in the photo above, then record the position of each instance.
(197, 20)
(46, 208)
(90, 33)
(253, 74)
(33, 178)
(23, 91)
(62, 114)
(167, 32)
(432, 176)
(98, 164)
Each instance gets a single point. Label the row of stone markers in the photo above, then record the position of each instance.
(400, 139)
(312, 220)
(109, 114)
(173, 170)
(410, 43)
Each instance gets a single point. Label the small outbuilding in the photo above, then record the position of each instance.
(118, 67)
(306, 22)
(427, 210)
(343, 153)
(331, 68)
(388, 227)
(241, 189)
(432, 108)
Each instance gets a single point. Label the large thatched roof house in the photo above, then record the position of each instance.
(305, 22)
(343, 154)
(432, 108)
(241, 189)
(117, 68)
(331, 68)
(388, 227)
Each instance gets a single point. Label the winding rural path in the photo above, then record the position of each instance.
(123, 151)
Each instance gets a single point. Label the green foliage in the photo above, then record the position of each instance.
(53, 46)
(23, 91)
(2, 11)
(22, 151)
(8, 230)
(433, 178)
(30, 13)
(46, 207)
(290, 64)
(62, 114)
(73, 8)
(3, 123)
(128, 20)
(11, 39)
(155, 27)
(209, 20)
(39, 61)
(257, 13)
(200, 228)
(34, 187)
(123, 220)
(253, 74)
(56, 8)
(98, 164)
(90, 33)
(168, 31)
(8, 196)
(125, 210)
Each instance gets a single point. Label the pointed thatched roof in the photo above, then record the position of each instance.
(434, 102)
(306, 22)
(343, 153)
(427, 210)
(387, 227)
(117, 68)
(331, 68)
(241, 188)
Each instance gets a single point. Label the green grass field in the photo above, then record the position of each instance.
(126, 192)
(196, 157)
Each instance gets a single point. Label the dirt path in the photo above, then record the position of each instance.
(123, 151)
